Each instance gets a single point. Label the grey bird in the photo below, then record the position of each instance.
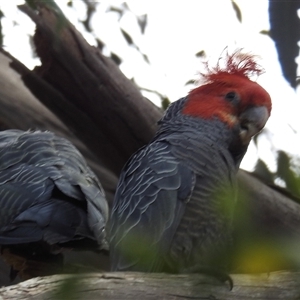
(50, 202)
(175, 199)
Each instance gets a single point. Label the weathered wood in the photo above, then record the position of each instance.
(271, 209)
(113, 286)
(21, 109)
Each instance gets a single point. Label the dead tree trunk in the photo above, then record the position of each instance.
(88, 91)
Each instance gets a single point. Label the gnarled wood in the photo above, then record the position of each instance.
(21, 109)
(99, 103)
(112, 286)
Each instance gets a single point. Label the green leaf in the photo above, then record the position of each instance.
(165, 102)
(1, 33)
(262, 171)
(284, 171)
(191, 81)
(265, 32)
(127, 37)
(201, 53)
(142, 21)
(237, 11)
(115, 58)
(68, 288)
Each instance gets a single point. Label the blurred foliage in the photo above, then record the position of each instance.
(150, 249)
(262, 171)
(285, 172)
(201, 53)
(265, 32)
(68, 289)
(190, 82)
(256, 249)
(237, 11)
(127, 37)
(164, 100)
(141, 21)
(258, 254)
(90, 10)
(138, 247)
(1, 32)
(115, 58)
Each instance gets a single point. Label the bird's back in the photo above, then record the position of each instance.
(167, 203)
(48, 195)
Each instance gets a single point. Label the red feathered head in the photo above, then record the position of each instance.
(227, 90)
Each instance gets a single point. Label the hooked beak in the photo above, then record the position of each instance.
(252, 121)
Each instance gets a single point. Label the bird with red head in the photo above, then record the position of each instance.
(175, 200)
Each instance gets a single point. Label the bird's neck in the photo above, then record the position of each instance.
(213, 134)
(197, 129)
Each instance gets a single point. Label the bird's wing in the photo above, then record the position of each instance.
(205, 225)
(47, 190)
(149, 203)
(77, 176)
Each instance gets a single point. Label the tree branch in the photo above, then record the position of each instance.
(98, 98)
(111, 286)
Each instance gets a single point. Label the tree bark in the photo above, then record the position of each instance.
(21, 109)
(91, 94)
(271, 209)
(112, 286)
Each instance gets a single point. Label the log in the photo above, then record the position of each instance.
(151, 286)
(270, 208)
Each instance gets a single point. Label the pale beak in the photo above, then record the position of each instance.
(252, 121)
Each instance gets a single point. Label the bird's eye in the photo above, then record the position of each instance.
(232, 97)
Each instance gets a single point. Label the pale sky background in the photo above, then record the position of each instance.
(177, 30)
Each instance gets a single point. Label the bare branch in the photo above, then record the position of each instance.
(111, 286)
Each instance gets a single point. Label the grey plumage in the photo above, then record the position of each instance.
(174, 202)
(173, 207)
(48, 193)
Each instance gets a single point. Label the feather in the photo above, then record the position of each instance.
(48, 195)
